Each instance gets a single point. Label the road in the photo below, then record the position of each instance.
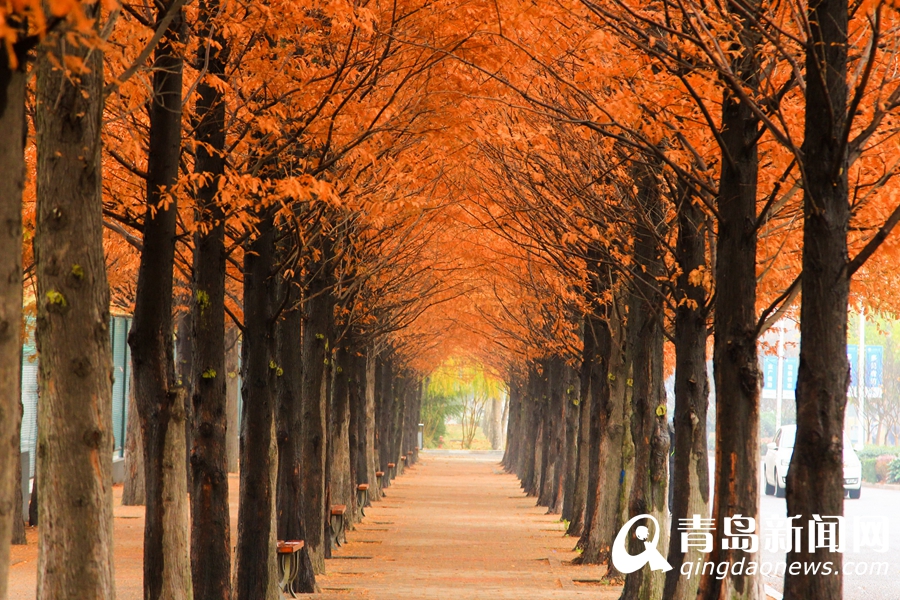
(881, 503)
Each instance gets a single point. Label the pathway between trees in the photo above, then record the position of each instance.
(454, 526)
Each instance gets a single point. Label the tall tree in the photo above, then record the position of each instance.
(12, 180)
(75, 440)
(289, 424)
(256, 573)
(316, 344)
(816, 475)
(690, 475)
(648, 421)
(158, 397)
(210, 521)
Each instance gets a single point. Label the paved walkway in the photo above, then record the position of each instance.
(454, 526)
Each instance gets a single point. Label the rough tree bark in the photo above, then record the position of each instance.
(210, 522)
(690, 477)
(133, 492)
(370, 425)
(75, 439)
(554, 438)
(355, 434)
(158, 398)
(648, 420)
(316, 340)
(815, 477)
(736, 370)
(256, 570)
(289, 424)
(539, 426)
(339, 438)
(583, 440)
(570, 468)
(395, 418)
(607, 428)
(384, 419)
(232, 390)
(511, 452)
(18, 527)
(529, 429)
(12, 180)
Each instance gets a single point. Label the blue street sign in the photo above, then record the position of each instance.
(853, 357)
(790, 373)
(770, 370)
(874, 365)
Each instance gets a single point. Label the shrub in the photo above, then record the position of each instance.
(881, 466)
(868, 470)
(767, 424)
(871, 451)
(894, 471)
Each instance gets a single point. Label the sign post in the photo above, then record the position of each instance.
(861, 379)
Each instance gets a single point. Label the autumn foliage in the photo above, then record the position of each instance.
(576, 198)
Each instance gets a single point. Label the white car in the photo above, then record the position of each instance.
(778, 459)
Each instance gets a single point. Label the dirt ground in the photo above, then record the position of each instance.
(454, 526)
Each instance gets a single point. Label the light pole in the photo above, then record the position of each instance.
(779, 380)
(861, 379)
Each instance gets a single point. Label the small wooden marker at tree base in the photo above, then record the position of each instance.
(289, 564)
(362, 497)
(391, 473)
(337, 523)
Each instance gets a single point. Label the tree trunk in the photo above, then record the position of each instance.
(159, 402)
(316, 343)
(583, 443)
(386, 406)
(185, 379)
(355, 434)
(570, 463)
(369, 426)
(554, 436)
(75, 438)
(232, 390)
(289, 424)
(649, 430)
(12, 180)
(210, 521)
(815, 477)
(557, 406)
(606, 431)
(735, 357)
(530, 432)
(511, 452)
(540, 427)
(690, 475)
(339, 440)
(133, 492)
(401, 390)
(18, 528)
(256, 572)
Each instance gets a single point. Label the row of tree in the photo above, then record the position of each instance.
(208, 166)
(683, 170)
(573, 196)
